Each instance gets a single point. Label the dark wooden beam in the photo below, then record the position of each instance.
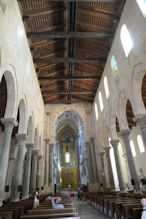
(69, 92)
(68, 60)
(69, 78)
(59, 35)
(63, 101)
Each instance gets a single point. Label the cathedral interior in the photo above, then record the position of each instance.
(72, 101)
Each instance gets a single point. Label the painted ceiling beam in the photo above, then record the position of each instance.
(68, 78)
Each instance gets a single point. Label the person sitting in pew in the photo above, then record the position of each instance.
(35, 202)
(55, 203)
(143, 202)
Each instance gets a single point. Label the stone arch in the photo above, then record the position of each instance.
(3, 5)
(139, 72)
(30, 130)
(123, 123)
(22, 118)
(11, 94)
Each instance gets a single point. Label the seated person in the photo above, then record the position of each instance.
(55, 203)
(143, 202)
(35, 202)
(48, 198)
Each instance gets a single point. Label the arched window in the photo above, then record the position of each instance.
(126, 40)
(140, 144)
(132, 148)
(100, 101)
(106, 87)
(142, 5)
(96, 111)
(67, 157)
(114, 66)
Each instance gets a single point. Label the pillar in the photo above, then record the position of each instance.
(19, 166)
(111, 177)
(9, 124)
(46, 177)
(141, 121)
(27, 170)
(39, 172)
(94, 160)
(125, 134)
(51, 163)
(34, 170)
(101, 154)
(115, 143)
(90, 167)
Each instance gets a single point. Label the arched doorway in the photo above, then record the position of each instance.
(68, 151)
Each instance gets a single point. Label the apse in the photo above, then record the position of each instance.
(68, 150)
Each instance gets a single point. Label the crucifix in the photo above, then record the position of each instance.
(68, 174)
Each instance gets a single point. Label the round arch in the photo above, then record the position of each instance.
(22, 128)
(11, 94)
(3, 5)
(139, 72)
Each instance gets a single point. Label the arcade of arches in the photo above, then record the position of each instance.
(96, 137)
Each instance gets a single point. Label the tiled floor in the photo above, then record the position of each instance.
(86, 211)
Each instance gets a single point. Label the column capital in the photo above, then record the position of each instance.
(125, 132)
(21, 137)
(48, 114)
(101, 153)
(40, 157)
(114, 142)
(29, 145)
(46, 140)
(141, 120)
(9, 123)
(92, 138)
(107, 149)
(35, 152)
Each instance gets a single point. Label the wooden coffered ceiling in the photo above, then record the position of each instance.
(70, 42)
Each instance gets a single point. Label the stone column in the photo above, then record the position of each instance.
(94, 160)
(90, 167)
(101, 154)
(19, 166)
(115, 143)
(9, 124)
(125, 134)
(141, 121)
(34, 170)
(51, 163)
(27, 170)
(46, 177)
(39, 171)
(111, 177)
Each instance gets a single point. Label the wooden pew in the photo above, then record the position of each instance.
(6, 215)
(46, 216)
(51, 211)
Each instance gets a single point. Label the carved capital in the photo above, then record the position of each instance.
(35, 152)
(101, 154)
(46, 140)
(9, 124)
(29, 146)
(114, 143)
(21, 138)
(141, 120)
(125, 133)
(107, 149)
(40, 157)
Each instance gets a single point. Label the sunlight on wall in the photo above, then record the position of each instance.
(114, 168)
(142, 6)
(132, 148)
(96, 111)
(106, 87)
(126, 40)
(140, 144)
(100, 101)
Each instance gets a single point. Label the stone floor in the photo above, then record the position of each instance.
(86, 211)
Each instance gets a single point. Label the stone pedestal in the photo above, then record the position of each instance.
(27, 170)
(141, 121)
(46, 176)
(111, 177)
(34, 170)
(115, 143)
(9, 124)
(132, 168)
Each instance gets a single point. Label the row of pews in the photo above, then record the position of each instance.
(24, 209)
(117, 205)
